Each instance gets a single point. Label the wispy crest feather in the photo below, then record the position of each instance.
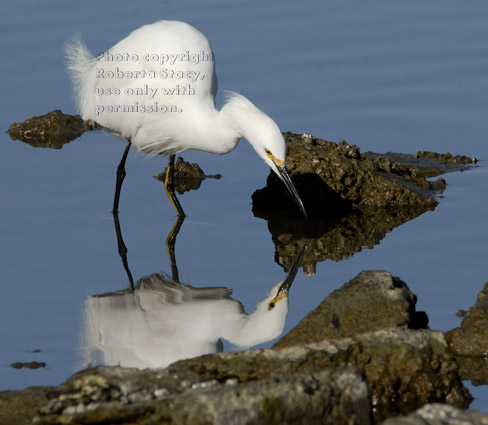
(80, 64)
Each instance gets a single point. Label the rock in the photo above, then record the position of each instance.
(474, 369)
(28, 365)
(187, 176)
(371, 301)
(446, 158)
(470, 341)
(404, 368)
(330, 396)
(337, 176)
(353, 200)
(20, 407)
(51, 130)
(439, 414)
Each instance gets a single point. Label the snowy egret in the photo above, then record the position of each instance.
(161, 321)
(156, 88)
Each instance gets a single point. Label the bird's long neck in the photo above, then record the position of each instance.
(220, 131)
(212, 131)
(257, 327)
(233, 121)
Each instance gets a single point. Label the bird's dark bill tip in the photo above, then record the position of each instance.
(285, 176)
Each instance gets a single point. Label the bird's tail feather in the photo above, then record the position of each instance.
(80, 63)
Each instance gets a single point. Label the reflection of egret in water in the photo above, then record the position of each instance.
(161, 321)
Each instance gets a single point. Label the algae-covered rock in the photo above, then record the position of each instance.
(332, 177)
(52, 130)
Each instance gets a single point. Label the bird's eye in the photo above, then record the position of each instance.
(271, 306)
(268, 152)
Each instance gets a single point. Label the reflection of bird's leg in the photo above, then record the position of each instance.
(123, 251)
(169, 186)
(120, 177)
(170, 246)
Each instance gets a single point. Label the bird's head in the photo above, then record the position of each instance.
(277, 164)
(265, 137)
(279, 294)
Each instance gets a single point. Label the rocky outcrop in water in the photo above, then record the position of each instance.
(353, 199)
(334, 178)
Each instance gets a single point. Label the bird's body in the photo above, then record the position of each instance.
(161, 322)
(157, 87)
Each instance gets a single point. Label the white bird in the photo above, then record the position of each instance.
(161, 322)
(156, 88)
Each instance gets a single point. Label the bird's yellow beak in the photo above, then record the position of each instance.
(283, 174)
(286, 284)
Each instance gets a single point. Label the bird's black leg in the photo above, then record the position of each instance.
(169, 186)
(170, 247)
(120, 177)
(123, 251)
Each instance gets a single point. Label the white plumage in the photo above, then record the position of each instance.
(162, 322)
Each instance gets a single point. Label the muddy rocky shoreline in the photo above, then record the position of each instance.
(363, 356)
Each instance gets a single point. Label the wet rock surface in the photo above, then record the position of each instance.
(371, 301)
(351, 373)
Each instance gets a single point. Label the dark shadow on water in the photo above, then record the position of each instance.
(330, 237)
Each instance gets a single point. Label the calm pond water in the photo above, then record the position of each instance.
(386, 76)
